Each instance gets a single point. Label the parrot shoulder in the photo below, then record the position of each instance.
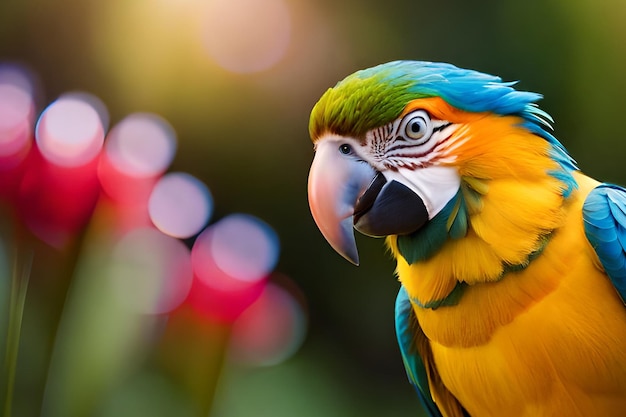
(604, 215)
(417, 356)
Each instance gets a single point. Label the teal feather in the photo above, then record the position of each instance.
(532, 256)
(451, 222)
(425, 242)
(557, 152)
(459, 220)
(406, 323)
(450, 300)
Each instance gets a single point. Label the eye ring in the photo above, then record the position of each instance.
(418, 127)
(345, 149)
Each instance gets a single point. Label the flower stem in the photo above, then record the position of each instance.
(19, 286)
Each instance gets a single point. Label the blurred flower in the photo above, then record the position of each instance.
(56, 202)
(17, 114)
(59, 189)
(133, 280)
(232, 260)
(271, 330)
(137, 152)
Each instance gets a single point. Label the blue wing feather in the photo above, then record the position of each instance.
(616, 211)
(604, 214)
(406, 323)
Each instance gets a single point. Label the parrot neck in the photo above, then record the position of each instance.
(488, 230)
(459, 288)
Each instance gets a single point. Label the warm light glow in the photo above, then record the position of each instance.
(151, 272)
(246, 36)
(141, 145)
(270, 331)
(180, 205)
(70, 131)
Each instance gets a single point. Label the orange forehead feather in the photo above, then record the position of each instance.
(440, 109)
(487, 145)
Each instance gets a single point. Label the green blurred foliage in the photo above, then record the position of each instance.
(246, 137)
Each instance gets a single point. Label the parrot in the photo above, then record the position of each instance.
(511, 262)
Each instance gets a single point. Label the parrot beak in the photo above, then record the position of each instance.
(345, 193)
(335, 183)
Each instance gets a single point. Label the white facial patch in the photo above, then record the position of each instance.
(436, 185)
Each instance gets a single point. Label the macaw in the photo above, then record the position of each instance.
(511, 262)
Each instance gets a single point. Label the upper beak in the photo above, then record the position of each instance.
(346, 192)
(336, 181)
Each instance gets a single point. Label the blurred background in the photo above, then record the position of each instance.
(111, 304)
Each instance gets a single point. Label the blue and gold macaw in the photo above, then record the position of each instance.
(512, 262)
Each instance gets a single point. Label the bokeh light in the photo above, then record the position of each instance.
(141, 145)
(244, 247)
(138, 149)
(17, 112)
(180, 205)
(93, 101)
(70, 132)
(247, 36)
(150, 271)
(232, 260)
(271, 330)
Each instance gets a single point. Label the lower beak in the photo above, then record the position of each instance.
(347, 193)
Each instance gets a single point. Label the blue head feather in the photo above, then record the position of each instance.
(376, 96)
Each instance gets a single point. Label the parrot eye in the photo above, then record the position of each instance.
(418, 126)
(345, 149)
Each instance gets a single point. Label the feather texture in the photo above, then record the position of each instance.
(418, 362)
(509, 201)
(511, 301)
(604, 213)
(375, 96)
(406, 327)
(532, 343)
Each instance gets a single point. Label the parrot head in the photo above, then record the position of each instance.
(407, 142)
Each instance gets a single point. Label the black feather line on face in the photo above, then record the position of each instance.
(440, 128)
